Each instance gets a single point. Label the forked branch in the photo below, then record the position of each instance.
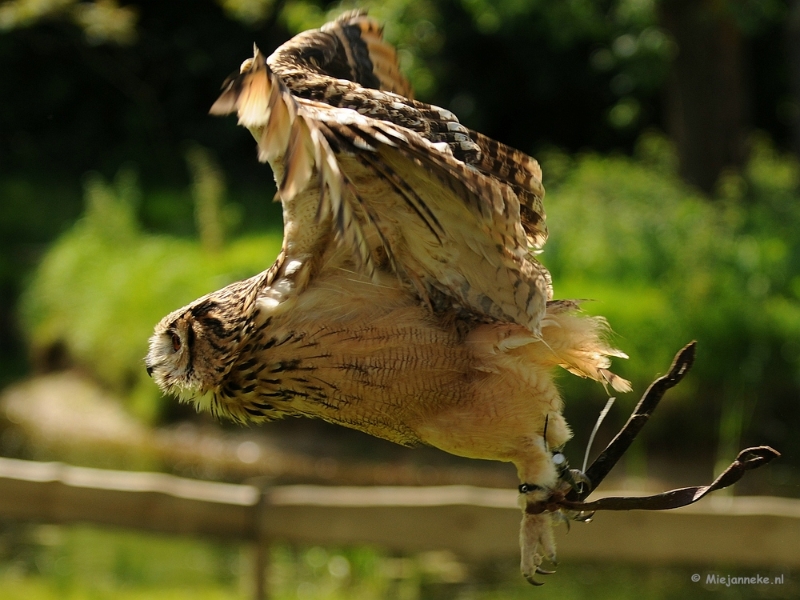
(750, 458)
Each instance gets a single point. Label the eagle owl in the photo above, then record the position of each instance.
(406, 301)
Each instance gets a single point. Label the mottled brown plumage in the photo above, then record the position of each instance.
(387, 174)
(405, 302)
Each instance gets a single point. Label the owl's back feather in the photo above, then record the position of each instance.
(453, 212)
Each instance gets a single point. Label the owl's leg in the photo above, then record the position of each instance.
(539, 478)
(545, 479)
(536, 540)
(540, 512)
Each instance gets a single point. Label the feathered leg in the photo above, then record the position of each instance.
(536, 541)
(539, 477)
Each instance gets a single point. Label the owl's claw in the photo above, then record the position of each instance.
(539, 571)
(579, 481)
(536, 544)
(532, 581)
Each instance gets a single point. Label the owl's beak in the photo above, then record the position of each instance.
(149, 370)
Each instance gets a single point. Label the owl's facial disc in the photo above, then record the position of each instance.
(169, 361)
(193, 348)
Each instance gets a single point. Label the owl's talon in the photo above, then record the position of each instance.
(536, 544)
(532, 581)
(579, 481)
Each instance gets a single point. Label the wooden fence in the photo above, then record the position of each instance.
(474, 523)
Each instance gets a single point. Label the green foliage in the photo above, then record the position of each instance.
(594, 70)
(88, 563)
(249, 11)
(627, 42)
(208, 190)
(102, 21)
(82, 562)
(104, 284)
(668, 266)
(413, 26)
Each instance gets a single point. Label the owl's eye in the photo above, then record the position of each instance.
(176, 342)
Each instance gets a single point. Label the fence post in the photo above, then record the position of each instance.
(262, 546)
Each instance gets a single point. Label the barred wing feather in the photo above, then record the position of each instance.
(455, 214)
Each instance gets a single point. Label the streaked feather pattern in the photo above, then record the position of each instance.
(308, 123)
(406, 301)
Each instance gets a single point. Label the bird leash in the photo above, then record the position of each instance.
(574, 500)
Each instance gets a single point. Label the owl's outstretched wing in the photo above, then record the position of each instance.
(399, 182)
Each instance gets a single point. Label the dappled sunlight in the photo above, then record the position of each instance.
(668, 134)
(666, 265)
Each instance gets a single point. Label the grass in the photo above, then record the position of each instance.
(91, 563)
(41, 589)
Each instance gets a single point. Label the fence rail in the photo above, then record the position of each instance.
(474, 523)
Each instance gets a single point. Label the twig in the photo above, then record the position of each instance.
(603, 464)
(750, 458)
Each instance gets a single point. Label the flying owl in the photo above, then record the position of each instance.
(406, 301)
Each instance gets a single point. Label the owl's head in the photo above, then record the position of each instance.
(193, 348)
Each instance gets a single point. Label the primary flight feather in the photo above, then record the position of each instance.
(406, 301)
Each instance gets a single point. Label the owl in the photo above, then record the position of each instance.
(406, 301)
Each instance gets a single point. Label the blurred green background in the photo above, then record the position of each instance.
(668, 132)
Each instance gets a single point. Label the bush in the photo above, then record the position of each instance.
(668, 265)
(664, 264)
(104, 284)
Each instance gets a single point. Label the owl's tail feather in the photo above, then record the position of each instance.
(569, 339)
(579, 344)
